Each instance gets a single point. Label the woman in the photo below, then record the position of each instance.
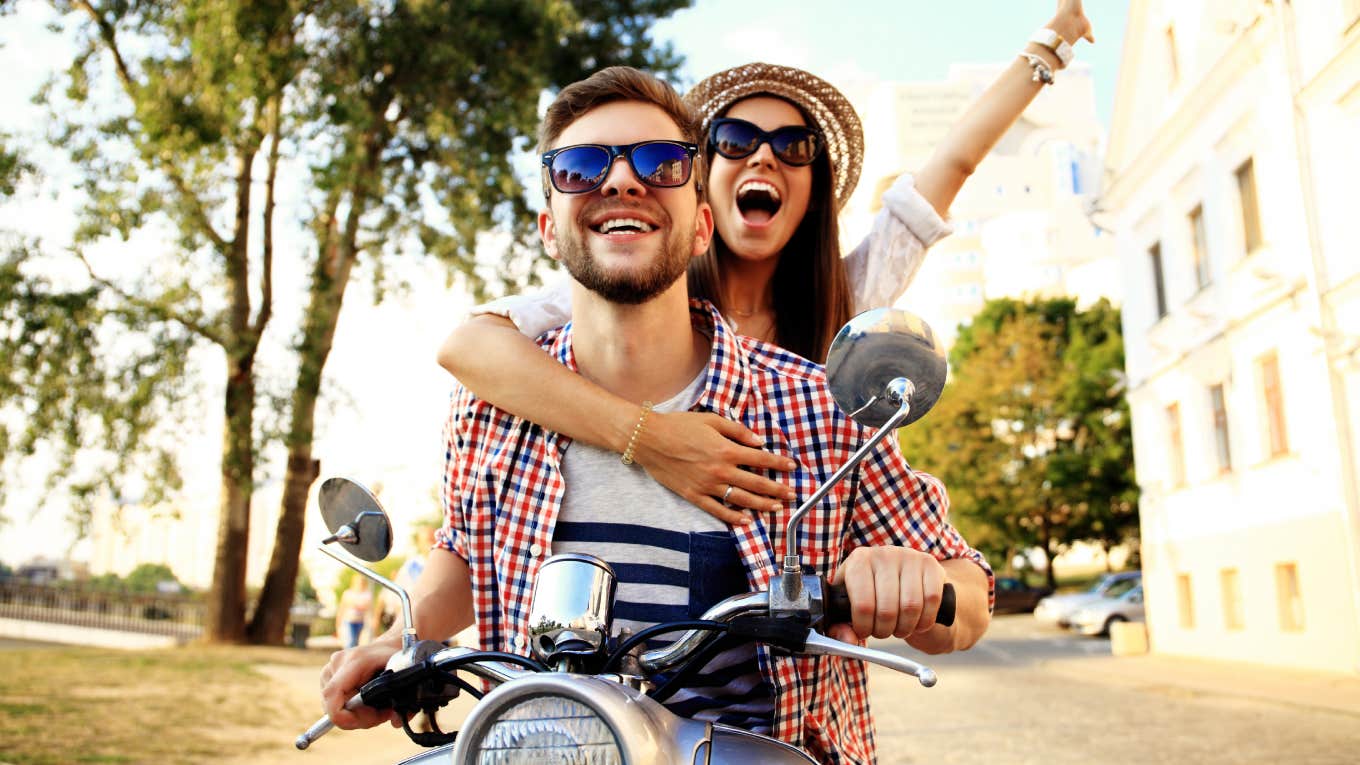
(784, 151)
(353, 610)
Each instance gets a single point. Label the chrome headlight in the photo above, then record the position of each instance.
(546, 729)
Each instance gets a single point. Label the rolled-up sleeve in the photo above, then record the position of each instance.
(899, 506)
(536, 312)
(884, 264)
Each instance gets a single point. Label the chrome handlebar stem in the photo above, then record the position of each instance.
(659, 659)
(408, 631)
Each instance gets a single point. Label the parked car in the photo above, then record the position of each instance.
(1014, 596)
(1058, 609)
(1096, 618)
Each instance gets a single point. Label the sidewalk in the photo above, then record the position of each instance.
(1298, 688)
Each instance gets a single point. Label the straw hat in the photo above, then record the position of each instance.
(829, 109)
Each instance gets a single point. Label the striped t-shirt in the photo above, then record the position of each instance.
(673, 562)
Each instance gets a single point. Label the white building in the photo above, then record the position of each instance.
(1234, 166)
(1021, 225)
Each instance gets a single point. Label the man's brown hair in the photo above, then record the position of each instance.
(618, 83)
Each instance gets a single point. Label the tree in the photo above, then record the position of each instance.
(1032, 435)
(404, 117)
(148, 578)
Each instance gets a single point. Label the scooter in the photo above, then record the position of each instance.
(589, 696)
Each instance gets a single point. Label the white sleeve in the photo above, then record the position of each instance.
(534, 313)
(882, 266)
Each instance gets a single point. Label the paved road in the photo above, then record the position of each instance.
(1031, 695)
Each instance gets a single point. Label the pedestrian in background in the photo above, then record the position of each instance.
(354, 605)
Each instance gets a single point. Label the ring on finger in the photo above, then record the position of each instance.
(727, 493)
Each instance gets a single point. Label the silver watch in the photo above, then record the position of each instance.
(1054, 42)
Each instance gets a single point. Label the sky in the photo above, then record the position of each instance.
(387, 397)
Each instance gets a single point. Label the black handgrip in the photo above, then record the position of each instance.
(838, 605)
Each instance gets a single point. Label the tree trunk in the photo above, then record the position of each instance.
(1045, 540)
(330, 277)
(280, 583)
(226, 607)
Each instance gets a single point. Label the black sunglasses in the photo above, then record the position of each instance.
(795, 145)
(583, 167)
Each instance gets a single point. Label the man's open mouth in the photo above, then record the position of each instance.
(758, 201)
(622, 226)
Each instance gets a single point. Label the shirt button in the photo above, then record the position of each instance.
(535, 549)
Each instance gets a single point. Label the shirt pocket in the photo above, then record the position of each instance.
(715, 570)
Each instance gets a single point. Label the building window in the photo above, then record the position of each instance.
(1232, 599)
(1173, 63)
(1175, 451)
(1185, 601)
(1155, 253)
(1287, 593)
(1219, 406)
(1272, 401)
(1251, 217)
(1201, 247)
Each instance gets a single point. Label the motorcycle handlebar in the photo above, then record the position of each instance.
(324, 725)
(838, 605)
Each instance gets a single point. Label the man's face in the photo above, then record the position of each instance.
(663, 227)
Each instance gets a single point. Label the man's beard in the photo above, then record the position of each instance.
(623, 286)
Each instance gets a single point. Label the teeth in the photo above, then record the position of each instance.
(615, 223)
(750, 186)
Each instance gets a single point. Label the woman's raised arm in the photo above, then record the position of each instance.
(993, 113)
(696, 455)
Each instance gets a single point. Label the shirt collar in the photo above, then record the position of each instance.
(727, 376)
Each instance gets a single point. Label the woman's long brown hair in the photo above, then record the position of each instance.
(811, 290)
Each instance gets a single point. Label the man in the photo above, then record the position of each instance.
(516, 493)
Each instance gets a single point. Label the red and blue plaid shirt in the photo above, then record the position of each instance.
(503, 491)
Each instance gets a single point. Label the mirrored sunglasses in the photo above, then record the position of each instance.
(583, 167)
(795, 145)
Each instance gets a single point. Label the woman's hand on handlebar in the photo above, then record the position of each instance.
(345, 673)
(701, 455)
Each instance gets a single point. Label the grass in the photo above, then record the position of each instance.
(187, 705)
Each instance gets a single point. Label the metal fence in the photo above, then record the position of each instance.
(180, 616)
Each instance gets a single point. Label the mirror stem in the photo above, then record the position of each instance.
(898, 391)
(408, 633)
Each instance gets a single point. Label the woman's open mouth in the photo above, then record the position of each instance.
(758, 201)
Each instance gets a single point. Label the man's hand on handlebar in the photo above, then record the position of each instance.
(893, 591)
(345, 673)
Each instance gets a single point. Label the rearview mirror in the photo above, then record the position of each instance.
(355, 519)
(871, 351)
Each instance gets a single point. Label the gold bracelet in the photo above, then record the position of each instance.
(637, 431)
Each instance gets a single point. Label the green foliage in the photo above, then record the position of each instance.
(1032, 435)
(147, 577)
(399, 123)
(71, 394)
(306, 592)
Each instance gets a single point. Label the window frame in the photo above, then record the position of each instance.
(1272, 405)
(1249, 204)
(1218, 409)
(1158, 280)
(1176, 444)
(1199, 246)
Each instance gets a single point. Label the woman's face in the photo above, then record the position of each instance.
(759, 201)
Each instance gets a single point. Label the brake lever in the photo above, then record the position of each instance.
(821, 645)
